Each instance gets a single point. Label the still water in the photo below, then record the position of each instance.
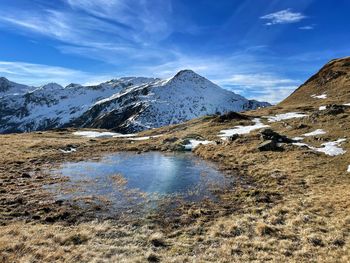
(124, 180)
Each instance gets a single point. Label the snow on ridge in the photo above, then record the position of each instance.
(329, 148)
(285, 116)
(316, 132)
(322, 96)
(243, 129)
(150, 102)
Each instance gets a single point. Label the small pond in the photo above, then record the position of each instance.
(129, 180)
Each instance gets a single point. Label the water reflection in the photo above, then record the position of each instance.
(129, 179)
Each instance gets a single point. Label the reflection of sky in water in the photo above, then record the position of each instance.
(153, 173)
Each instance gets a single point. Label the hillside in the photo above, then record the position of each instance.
(289, 200)
(331, 85)
(124, 105)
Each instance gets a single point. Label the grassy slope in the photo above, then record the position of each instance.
(296, 208)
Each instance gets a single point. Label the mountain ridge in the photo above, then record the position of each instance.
(126, 104)
(330, 85)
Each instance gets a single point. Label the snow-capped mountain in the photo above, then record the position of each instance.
(8, 87)
(125, 105)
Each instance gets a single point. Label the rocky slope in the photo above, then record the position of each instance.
(125, 104)
(331, 85)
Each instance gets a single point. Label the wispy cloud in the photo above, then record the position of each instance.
(286, 16)
(129, 35)
(309, 27)
(149, 20)
(258, 80)
(266, 87)
(115, 28)
(38, 74)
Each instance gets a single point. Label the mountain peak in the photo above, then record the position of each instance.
(51, 86)
(186, 73)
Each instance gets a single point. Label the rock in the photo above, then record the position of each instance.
(230, 116)
(194, 136)
(233, 137)
(302, 126)
(333, 109)
(170, 140)
(26, 175)
(269, 145)
(153, 258)
(269, 134)
(218, 142)
(36, 217)
(59, 202)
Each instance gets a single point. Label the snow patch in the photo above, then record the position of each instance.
(194, 143)
(139, 138)
(346, 104)
(314, 133)
(94, 134)
(243, 129)
(119, 135)
(298, 138)
(70, 150)
(332, 148)
(329, 148)
(349, 169)
(322, 108)
(144, 138)
(322, 96)
(285, 116)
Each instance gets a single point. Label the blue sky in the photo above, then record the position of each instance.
(261, 49)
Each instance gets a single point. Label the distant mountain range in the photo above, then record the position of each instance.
(128, 104)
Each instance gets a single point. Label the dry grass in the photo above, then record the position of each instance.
(292, 206)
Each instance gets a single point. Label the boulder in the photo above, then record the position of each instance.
(334, 109)
(230, 116)
(170, 140)
(269, 134)
(269, 145)
(232, 137)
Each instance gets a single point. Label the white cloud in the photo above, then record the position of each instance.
(128, 34)
(283, 17)
(257, 80)
(310, 27)
(151, 18)
(115, 29)
(262, 86)
(38, 74)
